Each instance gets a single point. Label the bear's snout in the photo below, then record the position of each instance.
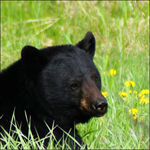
(93, 102)
(100, 106)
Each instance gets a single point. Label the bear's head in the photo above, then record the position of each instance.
(65, 79)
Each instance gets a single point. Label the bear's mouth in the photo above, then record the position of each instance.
(96, 109)
(94, 112)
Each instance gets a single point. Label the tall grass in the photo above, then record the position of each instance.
(121, 30)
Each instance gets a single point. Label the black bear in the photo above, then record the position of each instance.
(58, 84)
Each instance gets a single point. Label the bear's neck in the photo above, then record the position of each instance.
(13, 86)
(10, 79)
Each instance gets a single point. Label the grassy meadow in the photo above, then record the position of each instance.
(121, 30)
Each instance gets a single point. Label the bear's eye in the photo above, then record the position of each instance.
(74, 86)
(95, 78)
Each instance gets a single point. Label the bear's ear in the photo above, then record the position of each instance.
(33, 61)
(31, 55)
(88, 44)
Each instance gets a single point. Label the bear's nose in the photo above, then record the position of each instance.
(101, 106)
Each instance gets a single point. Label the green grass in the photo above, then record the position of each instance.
(121, 31)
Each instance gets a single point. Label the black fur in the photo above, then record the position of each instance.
(47, 84)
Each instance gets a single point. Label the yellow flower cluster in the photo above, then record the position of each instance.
(129, 83)
(135, 92)
(142, 95)
(144, 100)
(123, 94)
(134, 113)
(104, 94)
(112, 72)
(145, 91)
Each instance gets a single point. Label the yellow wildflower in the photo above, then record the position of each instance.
(129, 83)
(143, 100)
(130, 91)
(113, 72)
(135, 117)
(132, 83)
(134, 111)
(104, 73)
(135, 92)
(145, 91)
(140, 95)
(104, 94)
(123, 94)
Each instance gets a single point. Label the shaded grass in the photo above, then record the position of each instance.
(16, 139)
(121, 31)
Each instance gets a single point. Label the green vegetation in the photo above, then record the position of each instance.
(121, 30)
